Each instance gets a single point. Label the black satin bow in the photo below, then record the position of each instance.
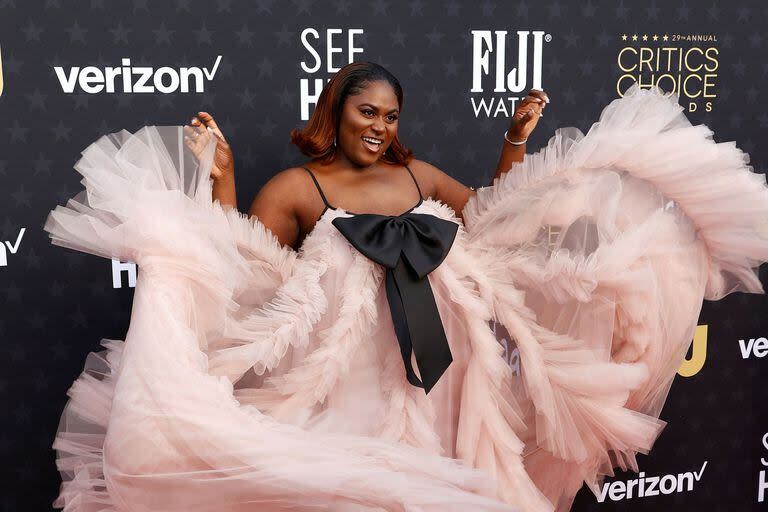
(410, 246)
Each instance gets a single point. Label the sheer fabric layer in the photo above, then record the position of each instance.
(599, 250)
(254, 375)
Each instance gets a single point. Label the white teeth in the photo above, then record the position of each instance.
(372, 141)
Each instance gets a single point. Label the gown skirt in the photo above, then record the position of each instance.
(257, 377)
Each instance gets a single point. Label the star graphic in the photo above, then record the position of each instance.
(18, 133)
(342, 6)
(285, 36)
(265, 67)
(588, 9)
(452, 8)
(652, 12)
(286, 98)
(246, 98)
(204, 35)
(120, 33)
(398, 37)
(42, 164)
(245, 36)
(303, 6)
(163, 34)
(32, 32)
(37, 100)
(683, 13)
(76, 33)
(61, 131)
(416, 67)
(434, 37)
(451, 66)
(417, 8)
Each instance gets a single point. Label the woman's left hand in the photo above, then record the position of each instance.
(527, 115)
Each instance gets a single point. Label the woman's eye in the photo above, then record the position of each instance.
(366, 112)
(393, 118)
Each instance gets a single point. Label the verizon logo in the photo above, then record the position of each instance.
(135, 79)
(646, 486)
(753, 348)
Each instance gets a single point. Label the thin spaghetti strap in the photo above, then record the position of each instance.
(319, 189)
(416, 182)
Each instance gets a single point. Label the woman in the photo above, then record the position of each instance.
(333, 351)
(369, 178)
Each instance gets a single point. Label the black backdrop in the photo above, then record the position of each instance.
(274, 56)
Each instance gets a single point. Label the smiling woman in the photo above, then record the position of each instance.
(361, 100)
(307, 357)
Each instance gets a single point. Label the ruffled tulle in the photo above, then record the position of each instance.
(615, 237)
(255, 376)
(167, 420)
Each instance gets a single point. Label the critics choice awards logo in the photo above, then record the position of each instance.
(686, 64)
(504, 68)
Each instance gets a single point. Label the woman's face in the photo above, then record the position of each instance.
(373, 115)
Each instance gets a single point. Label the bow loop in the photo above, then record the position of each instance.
(424, 239)
(410, 246)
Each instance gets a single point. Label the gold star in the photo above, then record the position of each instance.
(623, 37)
(655, 37)
(665, 37)
(645, 37)
(634, 37)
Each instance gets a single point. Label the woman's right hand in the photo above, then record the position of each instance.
(197, 135)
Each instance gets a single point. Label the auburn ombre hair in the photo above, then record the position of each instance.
(316, 138)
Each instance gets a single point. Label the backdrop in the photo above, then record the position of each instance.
(73, 71)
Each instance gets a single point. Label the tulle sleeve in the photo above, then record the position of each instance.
(147, 197)
(615, 237)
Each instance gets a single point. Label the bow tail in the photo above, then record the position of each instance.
(417, 325)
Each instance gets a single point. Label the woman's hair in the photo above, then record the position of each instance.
(317, 137)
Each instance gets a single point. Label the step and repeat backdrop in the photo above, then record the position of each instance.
(73, 71)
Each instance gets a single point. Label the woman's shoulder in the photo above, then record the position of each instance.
(289, 187)
(426, 174)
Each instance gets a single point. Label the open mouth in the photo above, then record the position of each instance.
(372, 143)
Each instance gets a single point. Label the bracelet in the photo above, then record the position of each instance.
(520, 143)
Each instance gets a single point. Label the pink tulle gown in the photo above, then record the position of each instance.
(255, 377)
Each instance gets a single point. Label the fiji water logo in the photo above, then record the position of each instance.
(646, 486)
(129, 79)
(490, 64)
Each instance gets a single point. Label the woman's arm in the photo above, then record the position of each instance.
(521, 125)
(510, 154)
(277, 204)
(224, 190)
(198, 135)
(454, 193)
